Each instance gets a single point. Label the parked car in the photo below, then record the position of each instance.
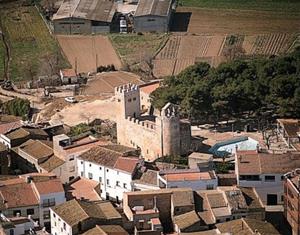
(71, 99)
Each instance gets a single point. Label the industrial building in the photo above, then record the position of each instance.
(84, 17)
(152, 16)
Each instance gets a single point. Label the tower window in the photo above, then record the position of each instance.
(134, 99)
(129, 100)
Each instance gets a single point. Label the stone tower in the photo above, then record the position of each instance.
(170, 129)
(128, 101)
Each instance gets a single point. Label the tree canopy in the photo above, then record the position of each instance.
(17, 107)
(235, 88)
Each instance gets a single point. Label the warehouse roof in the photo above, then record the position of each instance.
(97, 10)
(153, 7)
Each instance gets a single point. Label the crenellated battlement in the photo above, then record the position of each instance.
(126, 88)
(170, 111)
(146, 124)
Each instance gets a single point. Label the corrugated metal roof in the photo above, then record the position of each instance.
(97, 10)
(153, 7)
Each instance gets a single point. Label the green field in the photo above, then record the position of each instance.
(291, 6)
(134, 48)
(33, 48)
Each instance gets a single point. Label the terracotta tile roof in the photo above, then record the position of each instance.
(126, 164)
(36, 149)
(291, 127)
(236, 200)
(106, 157)
(18, 195)
(83, 147)
(49, 186)
(251, 199)
(149, 177)
(6, 127)
(106, 230)
(261, 163)
(119, 148)
(68, 72)
(75, 211)
(51, 163)
(216, 200)
(187, 220)
(9, 118)
(83, 188)
(246, 227)
(185, 176)
(148, 88)
(182, 197)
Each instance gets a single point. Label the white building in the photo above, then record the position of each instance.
(265, 173)
(75, 216)
(193, 179)
(31, 195)
(17, 225)
(113, 166)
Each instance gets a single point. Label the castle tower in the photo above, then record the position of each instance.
(170, 130)
(128, 101)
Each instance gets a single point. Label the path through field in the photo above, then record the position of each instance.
(89, 52)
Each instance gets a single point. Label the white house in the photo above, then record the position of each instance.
(188, 178)
(113, 166)
(264, 172)
(17, 225)
(32, 195)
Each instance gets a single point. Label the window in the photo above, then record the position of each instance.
(71, 158)
(107, 170)
(46, 214)
(64, 226)
(30, 211)
(117, 183)
(17, 212)
(100, 179)
(209, 186)
(90, 165)
(81, 162)
(134, 99)
(282, 177)
(81, 173)
(100, 168)
(269, 178)
(11, 232)
(129, 100)
(250, 177)
(54, 215)
(124, 185)
(107, 182)
(48, 202)
(90, 175)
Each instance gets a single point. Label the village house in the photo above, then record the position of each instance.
(246, 226)
(153, 210)
(292, 200)
(78, 216)
(38, 156)
(31, 194)
(68, 149)
(4, 160)
(265, 172)
(68, 76)
(84, 17)
(18, 225)
(156, 135)
(289, 130)
(18, 136)
(187, 178)
(113, 166)
(148, 180)
(227, 203)
(152, 16)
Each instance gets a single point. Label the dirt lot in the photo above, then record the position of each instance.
(86, 110)
(104, 83)
(212, 21)
(89, 51)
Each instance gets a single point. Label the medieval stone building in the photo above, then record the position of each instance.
(157, 135)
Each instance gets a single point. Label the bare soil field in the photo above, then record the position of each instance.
(104, 83)
(217, 21)
(89, 52)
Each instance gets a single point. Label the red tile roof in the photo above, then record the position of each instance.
(188, 176)
(68, 72)
(126, 164)
(6, 127)
(49, 186)
(149, 87)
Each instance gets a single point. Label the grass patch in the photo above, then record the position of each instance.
(32, 46)
(292, 6)
(134, 48)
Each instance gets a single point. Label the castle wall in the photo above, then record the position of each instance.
(134, 133)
